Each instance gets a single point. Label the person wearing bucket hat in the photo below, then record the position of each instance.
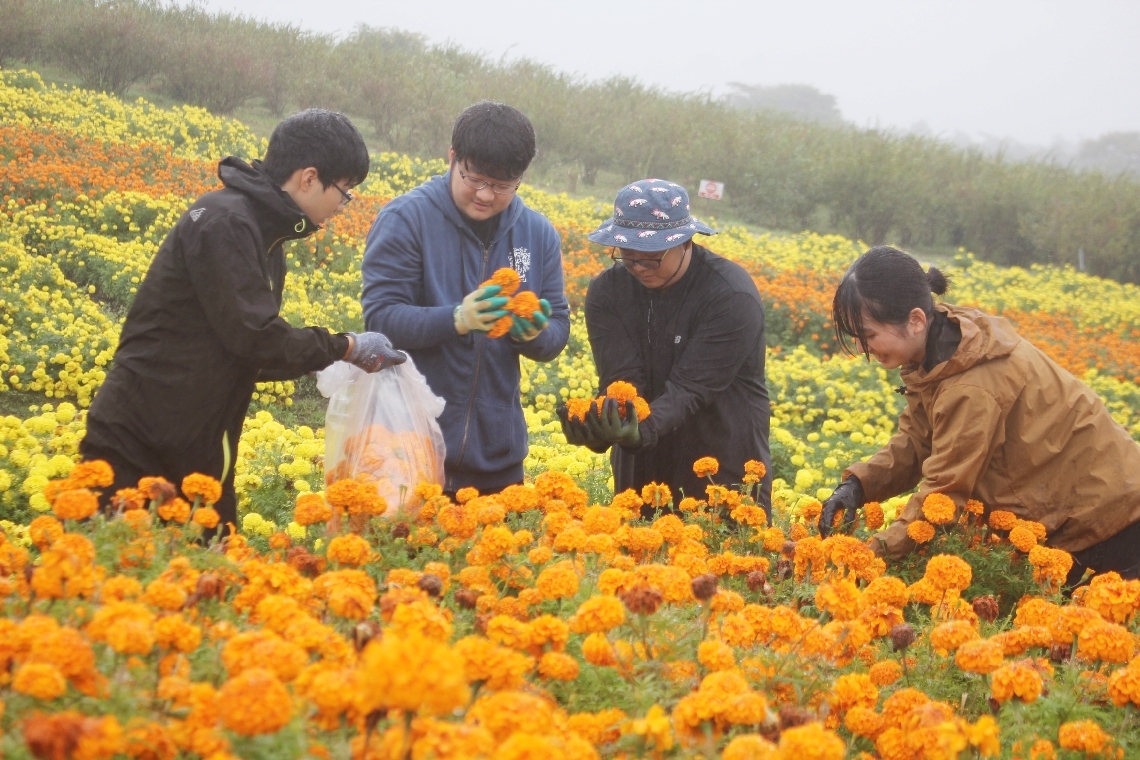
(686, 328)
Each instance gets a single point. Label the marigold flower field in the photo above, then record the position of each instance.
(547, 621)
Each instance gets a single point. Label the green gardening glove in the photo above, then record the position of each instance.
(524, 330)
(608, 425)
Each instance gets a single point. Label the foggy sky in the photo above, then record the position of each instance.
(1031, 70)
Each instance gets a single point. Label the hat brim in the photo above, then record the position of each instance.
(610, 234)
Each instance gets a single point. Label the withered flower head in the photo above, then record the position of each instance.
(430, 583)
(788, 549)
(986, 608)
(793, 715)
(704, 586)
(902, 636)
(467, 598)
(364, 632)
(401, 530)
(756, 580)
(642, 600)
(784, 568)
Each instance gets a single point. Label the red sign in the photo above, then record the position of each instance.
(711, 189)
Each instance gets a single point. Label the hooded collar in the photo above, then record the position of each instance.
(984, 338)
(438, 191)
(280, 217)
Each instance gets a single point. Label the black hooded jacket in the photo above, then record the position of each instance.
(204, 328)
(696, 352)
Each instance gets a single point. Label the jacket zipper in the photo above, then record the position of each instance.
(268, 251)
(478, 364)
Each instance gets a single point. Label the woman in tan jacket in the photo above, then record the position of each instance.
(989, 417)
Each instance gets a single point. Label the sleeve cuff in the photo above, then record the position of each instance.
(338, 345)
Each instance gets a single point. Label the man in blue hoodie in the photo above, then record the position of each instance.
(428, 253)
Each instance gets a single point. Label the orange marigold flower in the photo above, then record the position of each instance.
(578, 408)
(40, 680)
(1083, 735)
(853, 689)
(715, 655)
(175, 510)
(863, 721)
(946, 571)
(559, 581)
(1001, 520)
(350, 550)
(885, 673)
(506, 278)
(207, 517)
(311, 509)
(254, 702)
(873, 515)
(464, 495)
(841, 598)
(656, 495)
(1106, 642)
(199, 486)
(1017, 679)
(706, 467)
(1023, 538)
(920, 531)
(598, 614)
(524, 304)
(974, 507)
(939, 509)
(754, 471)
(946, 637)
(558, 666)
(43, 531)
(356, 498)
(811, 740)
(1124, 685)
(980, 656)
(93, 473)
(621, 391)
(76, 504)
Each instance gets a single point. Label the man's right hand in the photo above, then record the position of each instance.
(577, 433)
(847, 498)
(480, 310)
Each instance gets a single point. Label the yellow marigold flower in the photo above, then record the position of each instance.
(715, 655)
(175, 510)
(946, 637)
(598, 614)
(1017, 679)
(558, 666)
(40, 680)
(1001, 520)
(873, 515)
(91, 474)
(654, 729)
(1023, 538)
(76, 504)
(920, 531)
(946, 571)
(885, 673)
(198, 486)
(1083, 735)
(840, 598)
(938, 509)
(656, 495)
(811, 741)
(1106, 642)
(980, 656)
(254, 702)
(349, 549)
(559, 581)
(311, 509)
(706, 467)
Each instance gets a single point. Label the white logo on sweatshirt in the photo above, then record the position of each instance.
(197, 213)
(519, 259)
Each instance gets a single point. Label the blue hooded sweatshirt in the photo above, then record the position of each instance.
(420, 260)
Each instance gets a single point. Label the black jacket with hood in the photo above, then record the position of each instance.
(203, 329)
(696, 353)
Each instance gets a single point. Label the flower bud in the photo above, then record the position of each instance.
(704, 586)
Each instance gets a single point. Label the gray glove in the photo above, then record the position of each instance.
(848, 498)
(372, 352)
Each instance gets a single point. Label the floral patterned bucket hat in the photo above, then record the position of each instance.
(650, 215)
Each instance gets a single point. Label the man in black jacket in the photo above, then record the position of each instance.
(205, 327)
(686, 327)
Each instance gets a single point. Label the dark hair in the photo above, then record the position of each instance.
(884, 284)
(494, 139)
(324, 140)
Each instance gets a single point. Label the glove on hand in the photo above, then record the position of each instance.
(525, 330)
(479, 310)
(577, 433)
(848, 498)
(607, 425)
(372, 352)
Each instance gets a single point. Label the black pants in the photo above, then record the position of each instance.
(1119, 553)
(128, 474)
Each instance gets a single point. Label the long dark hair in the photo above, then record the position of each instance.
(884, 284)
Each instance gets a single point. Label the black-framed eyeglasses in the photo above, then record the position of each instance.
(346, 195)
(644, 263)
(498, 188)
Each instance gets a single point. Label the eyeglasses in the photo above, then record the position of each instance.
(498, 188)
(644, 263)
(345, 195)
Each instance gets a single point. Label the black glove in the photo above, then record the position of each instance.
(607, 424)
(848, 498)
(577, 433)
(372, 352)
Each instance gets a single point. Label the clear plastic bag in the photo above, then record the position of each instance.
(382, 428)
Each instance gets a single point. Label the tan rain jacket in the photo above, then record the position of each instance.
(1002, 423)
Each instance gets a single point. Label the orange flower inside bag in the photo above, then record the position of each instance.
(382, 428)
